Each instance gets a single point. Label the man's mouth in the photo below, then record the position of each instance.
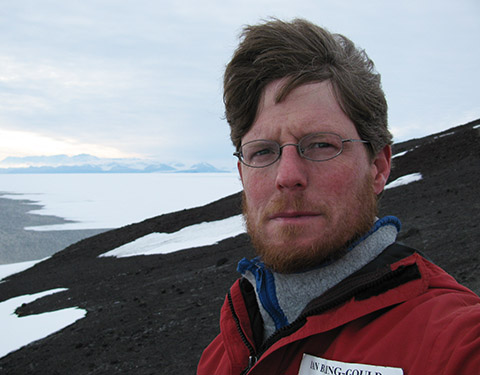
(294, 215)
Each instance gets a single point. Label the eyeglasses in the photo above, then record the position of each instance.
(315, 147)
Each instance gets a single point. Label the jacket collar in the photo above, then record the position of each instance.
(395, 276)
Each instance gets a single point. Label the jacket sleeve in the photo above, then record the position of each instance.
(457, 348)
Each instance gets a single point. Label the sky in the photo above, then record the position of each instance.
(143, 78)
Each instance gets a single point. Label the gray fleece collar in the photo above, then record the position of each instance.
(282, 297)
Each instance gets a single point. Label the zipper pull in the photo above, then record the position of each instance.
(251, 362)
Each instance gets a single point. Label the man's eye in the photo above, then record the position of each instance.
(315, 145)
(264, 151)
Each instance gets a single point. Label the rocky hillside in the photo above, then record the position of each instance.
(155, 314)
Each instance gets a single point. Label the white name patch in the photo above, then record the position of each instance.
(319, 366)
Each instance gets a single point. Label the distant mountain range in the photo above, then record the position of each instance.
(85, 163)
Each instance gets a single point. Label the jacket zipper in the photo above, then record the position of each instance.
(252, 359)
(349, 290)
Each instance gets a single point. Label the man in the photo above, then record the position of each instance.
(331, 292)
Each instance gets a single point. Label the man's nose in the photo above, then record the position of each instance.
(291, 169)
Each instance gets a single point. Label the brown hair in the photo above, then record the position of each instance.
(302, 52)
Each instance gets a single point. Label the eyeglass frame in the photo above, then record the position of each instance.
(239, 153)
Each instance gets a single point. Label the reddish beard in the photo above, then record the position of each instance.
(354, 224)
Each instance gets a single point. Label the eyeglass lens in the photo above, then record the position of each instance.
(316, 147)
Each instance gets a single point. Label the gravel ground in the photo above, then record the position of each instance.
(18, 245)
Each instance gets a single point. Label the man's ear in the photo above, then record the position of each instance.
(239, 167)
(381, 169)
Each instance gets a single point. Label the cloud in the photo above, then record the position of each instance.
(146, 77)
(37, 144)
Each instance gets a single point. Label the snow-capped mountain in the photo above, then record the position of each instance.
(85, 163)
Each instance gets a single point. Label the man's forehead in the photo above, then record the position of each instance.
(308, 108)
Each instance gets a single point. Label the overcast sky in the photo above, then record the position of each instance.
(143, 78)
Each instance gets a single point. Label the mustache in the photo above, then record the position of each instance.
(282, 204)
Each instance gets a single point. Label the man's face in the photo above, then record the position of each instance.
(299, 212)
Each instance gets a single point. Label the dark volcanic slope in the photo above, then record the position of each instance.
(440, 214)
(154, 314)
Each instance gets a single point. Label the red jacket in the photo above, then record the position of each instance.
(409, 314)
